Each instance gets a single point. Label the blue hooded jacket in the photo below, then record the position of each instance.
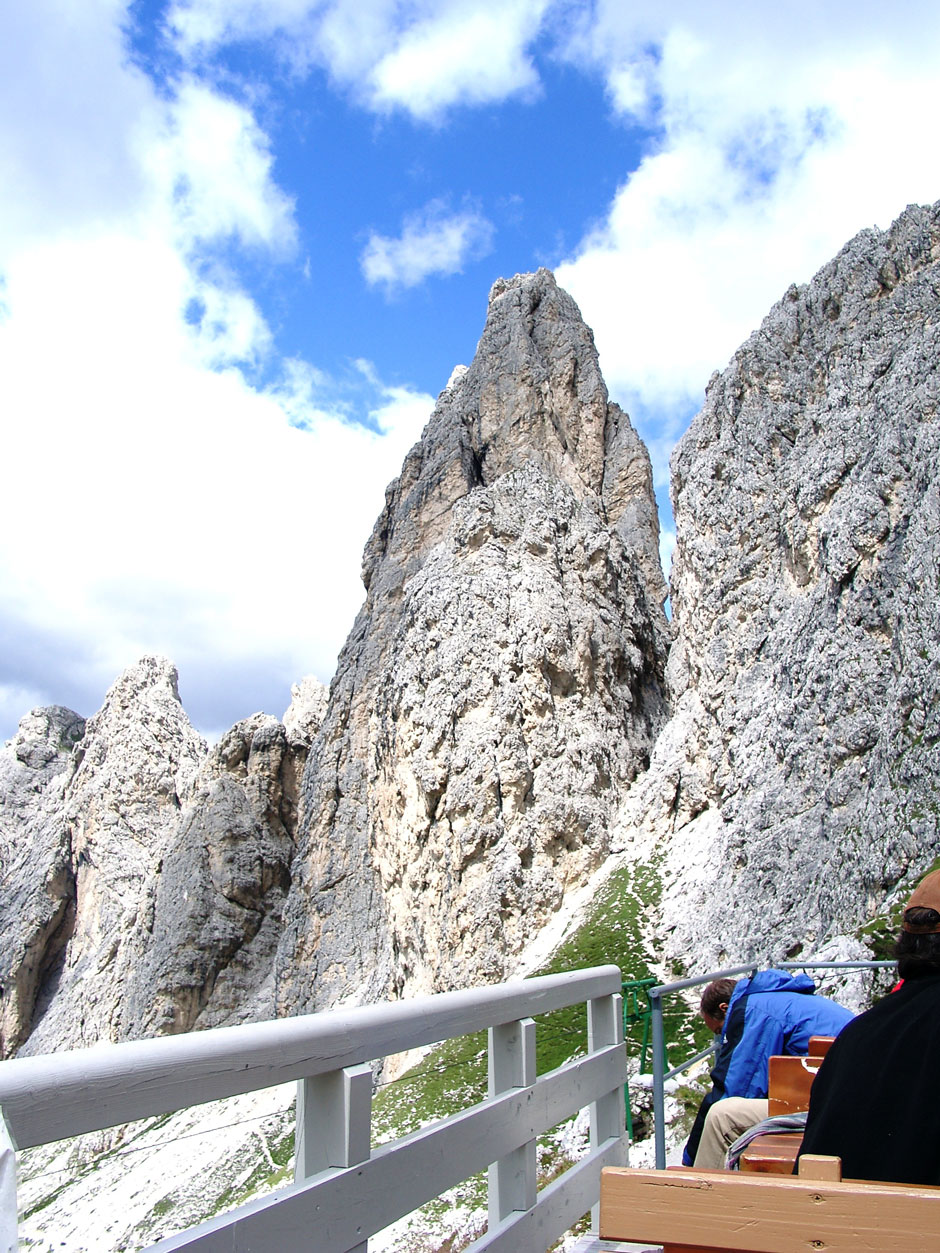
(771, 1013)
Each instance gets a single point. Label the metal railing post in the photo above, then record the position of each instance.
(511, 1064)
(659, 1070)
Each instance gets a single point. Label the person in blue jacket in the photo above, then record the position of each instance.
(771, 1013)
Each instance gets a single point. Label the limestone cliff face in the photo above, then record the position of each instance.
(221, 888)
(144, 876)
(502, 685)
(138, 755)
(38, 883)
(799, 779)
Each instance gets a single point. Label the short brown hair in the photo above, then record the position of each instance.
(716, 993)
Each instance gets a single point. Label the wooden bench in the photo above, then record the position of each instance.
(789, 1080)
(704, 1211)
(819, 1045)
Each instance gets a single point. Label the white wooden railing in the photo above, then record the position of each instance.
(343, 1191)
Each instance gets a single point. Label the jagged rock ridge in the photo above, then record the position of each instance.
(144, 875)
(496, 704)
(501, 694)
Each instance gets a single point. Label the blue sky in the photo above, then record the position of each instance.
(243, 245)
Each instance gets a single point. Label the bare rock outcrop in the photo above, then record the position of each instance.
(144, 876)
(37, 884)
(221, 888)
(502, 685)
(503, 715)
(138, 756)
(799, 779)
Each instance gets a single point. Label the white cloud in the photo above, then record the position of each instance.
(66, 158)
(211, 163)
(467, 55)
(432, 241)
(424, 57)
(773, 134)
(780, 134)
(160, 504)
(155, 499)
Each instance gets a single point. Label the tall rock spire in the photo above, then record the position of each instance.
(502, 684)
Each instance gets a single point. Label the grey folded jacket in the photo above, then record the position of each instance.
(767, 1126)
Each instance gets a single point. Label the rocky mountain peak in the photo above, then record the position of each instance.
(503, 716)
(502, 683)
(46, 737)
(138, 755)
(532, 396)
(307, 709)
(145, 872)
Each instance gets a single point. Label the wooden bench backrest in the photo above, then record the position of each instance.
(789, 1080)
(819, 1045)
(728, 1211)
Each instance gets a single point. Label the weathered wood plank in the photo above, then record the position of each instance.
(772, 1154)
(511, 1064)
(66, 1094)
(789, 1081)
(343, 1208)
(558, 1208)
(9, 1242)
(767, 1213)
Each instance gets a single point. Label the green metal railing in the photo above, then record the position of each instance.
(637, 1010)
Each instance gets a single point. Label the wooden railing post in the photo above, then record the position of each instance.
(608, 1114)
(9, 1241)
(334, 1123)
(512, 1179)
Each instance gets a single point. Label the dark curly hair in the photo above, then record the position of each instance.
(918, 954)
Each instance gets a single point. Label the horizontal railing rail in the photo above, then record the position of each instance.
(343, 1190)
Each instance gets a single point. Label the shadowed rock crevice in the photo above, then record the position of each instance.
(37, 900)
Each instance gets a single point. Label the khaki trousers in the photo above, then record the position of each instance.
(724, 1122)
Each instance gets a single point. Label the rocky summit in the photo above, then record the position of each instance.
(502, 685)
(513, 711)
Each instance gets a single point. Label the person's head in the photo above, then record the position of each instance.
(918, 945)
(715, 1001)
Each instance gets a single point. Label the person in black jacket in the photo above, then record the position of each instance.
(874, 1101)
